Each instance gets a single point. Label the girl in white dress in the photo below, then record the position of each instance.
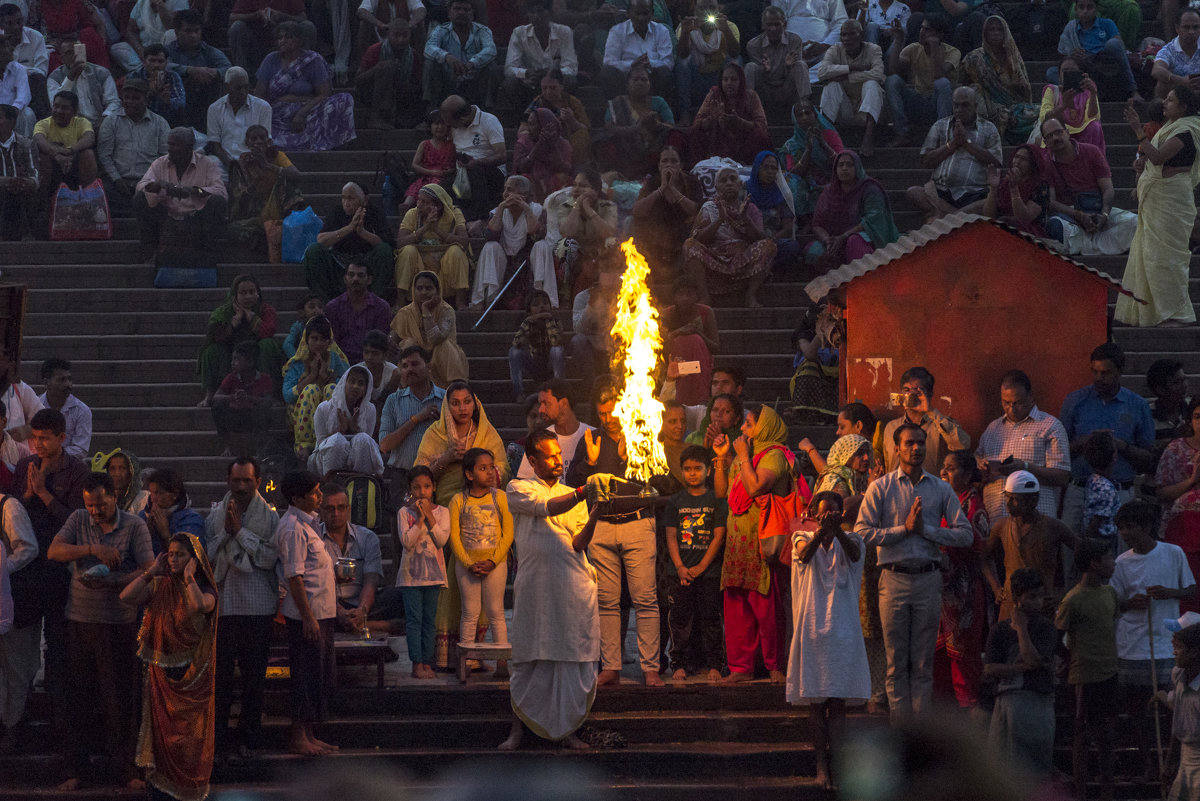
(828, 664)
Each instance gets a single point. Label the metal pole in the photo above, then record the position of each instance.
(1154, 689)
(496, 299)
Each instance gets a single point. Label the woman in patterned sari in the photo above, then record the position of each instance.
(176, 642)
(305, 113)
(728, 242)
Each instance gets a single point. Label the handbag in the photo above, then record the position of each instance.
(300, 229)
(462, 184)
(777, 513)
(81, 213)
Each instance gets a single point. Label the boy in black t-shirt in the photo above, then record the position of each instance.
(695, 520)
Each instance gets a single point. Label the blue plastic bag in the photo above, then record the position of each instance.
(300, 229)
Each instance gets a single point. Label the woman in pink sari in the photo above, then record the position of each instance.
(305, 113)
(542, 154)
(1178, 480)
(853, 216)
(1075, 103)
(731, 121)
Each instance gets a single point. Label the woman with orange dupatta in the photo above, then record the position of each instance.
(177, 639)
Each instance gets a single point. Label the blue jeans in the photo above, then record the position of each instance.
(520, 362)
(420, 610)
(906, 102)
(1114, 50)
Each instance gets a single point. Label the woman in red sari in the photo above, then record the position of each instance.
(957, 662)
(731, 121)
(1178, 480)
(177, 639)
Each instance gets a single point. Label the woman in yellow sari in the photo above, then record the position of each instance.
(431, 323)
(433, 237)
(1157, 270)
(463, 425)
(761, 465)
(176, 641)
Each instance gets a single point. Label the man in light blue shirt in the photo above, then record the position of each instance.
(1178, 62)
(902, 514)
(459, 57)
(409, 411)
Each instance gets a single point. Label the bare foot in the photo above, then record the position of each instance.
(328, 748)
(822, 779)
(514, 738)
(608, 677)
(679, 675)
(652, 679)
(752, 302)
(299, 744)
(69, 786)
(714, 675)
(575, 744)
(735, 677)
(777, 677)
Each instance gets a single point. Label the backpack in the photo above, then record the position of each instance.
(367, 497)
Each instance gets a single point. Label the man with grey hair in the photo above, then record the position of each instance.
(775, 66)
(515, 232)
(356, 231)
(231, 115)
(959, 149)
(181, 200)
(852, 71)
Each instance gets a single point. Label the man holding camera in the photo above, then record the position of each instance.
(182, 192)
(942, 434)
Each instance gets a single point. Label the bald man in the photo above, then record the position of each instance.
(357, 231)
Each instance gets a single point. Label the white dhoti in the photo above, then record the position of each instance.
(840, 101)
(553, 698)
(1112, 241)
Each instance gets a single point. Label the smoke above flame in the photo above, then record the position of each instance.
(639, 344)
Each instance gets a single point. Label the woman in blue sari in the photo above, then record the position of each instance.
(305, 113)
(769, 191)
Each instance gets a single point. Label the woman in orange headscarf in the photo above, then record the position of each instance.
(176, 641)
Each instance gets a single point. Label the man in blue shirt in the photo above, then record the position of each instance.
(200, 65)
(408, 412)
(459, 57)
(1094, 42)
(1106, 406)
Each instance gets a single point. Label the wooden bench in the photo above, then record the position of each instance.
(352, 649)
(480, 650)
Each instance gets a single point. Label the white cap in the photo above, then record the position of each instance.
(1022, 482)
(1187, 619)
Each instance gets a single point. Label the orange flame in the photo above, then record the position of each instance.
(639, 344)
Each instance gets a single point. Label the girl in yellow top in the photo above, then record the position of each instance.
(481, 532)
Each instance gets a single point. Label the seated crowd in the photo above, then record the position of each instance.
(371, 378)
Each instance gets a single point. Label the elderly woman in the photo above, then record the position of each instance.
(263, 189)
(243, 316)
(663, 213)
(637, 125)
(177, 643)
(126, 472)
(1157, 270)
(1019, 196)
(731, 121)
(570, 113)
(728, 242)
(1002, 90)
(309, 378)
(463, 425)
(768, 190)
(853, 216)
(542, 154)
(808, 157)
(583, 225)
(1075, 103)
(305, 113)
(433, 237)
(430, 322)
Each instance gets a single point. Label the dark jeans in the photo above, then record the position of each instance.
(313, 671)
(103, 690)
(197, 231)
(697, 641)
(14, 213)
(393, 95)
(246, 641)
(487, 185)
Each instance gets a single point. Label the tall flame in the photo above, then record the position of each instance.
(638, 347)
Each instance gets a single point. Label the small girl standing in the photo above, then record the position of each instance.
(433, 162)
(481, 532)
(1184, 700)
(828, 664)
(424, 529)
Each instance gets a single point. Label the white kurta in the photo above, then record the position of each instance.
(828, 658)
(555, 631)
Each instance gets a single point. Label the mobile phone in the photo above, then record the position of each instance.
(711, 19)
(80, 53)
(1072, 79)
(689, 368)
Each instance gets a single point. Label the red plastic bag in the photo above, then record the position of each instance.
(80, 213)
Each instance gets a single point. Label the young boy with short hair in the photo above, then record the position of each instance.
(1088, 616)
(1149, 580)
(1018, 659)
(241, 407)
(695, 520)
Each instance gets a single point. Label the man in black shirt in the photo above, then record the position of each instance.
(356, 231)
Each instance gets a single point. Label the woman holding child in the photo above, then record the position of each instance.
(243, 316)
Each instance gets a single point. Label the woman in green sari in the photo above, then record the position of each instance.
(243, 316)
(1002, 91)
(262, 189)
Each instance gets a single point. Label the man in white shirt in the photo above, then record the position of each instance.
(230, 117)
(14, 89)
(56, 377)
(637, 40)
(555, 407)
(30, 52)
(93, 84)
(817, 22)
(534, 50)
(479, 143)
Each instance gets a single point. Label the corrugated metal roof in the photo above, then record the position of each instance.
(917, 238)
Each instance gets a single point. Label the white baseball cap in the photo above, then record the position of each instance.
(1022, 482)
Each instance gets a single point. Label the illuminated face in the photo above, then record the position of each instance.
(912, 448)
(724, 414)
(547, 460)
(724, 384)
(462, 406)
(118, 470)
(100, 505)
(694, 473)
(483, 474)
(243, 482)
(674, 425)
(46, 444)
(178, 555)
(421, 488)
(608, 421)
(1016, 402)
(335, 511)
(845, 426)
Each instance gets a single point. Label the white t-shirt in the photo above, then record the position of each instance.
(476, 139)
(1165, 565)
(568, 443)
